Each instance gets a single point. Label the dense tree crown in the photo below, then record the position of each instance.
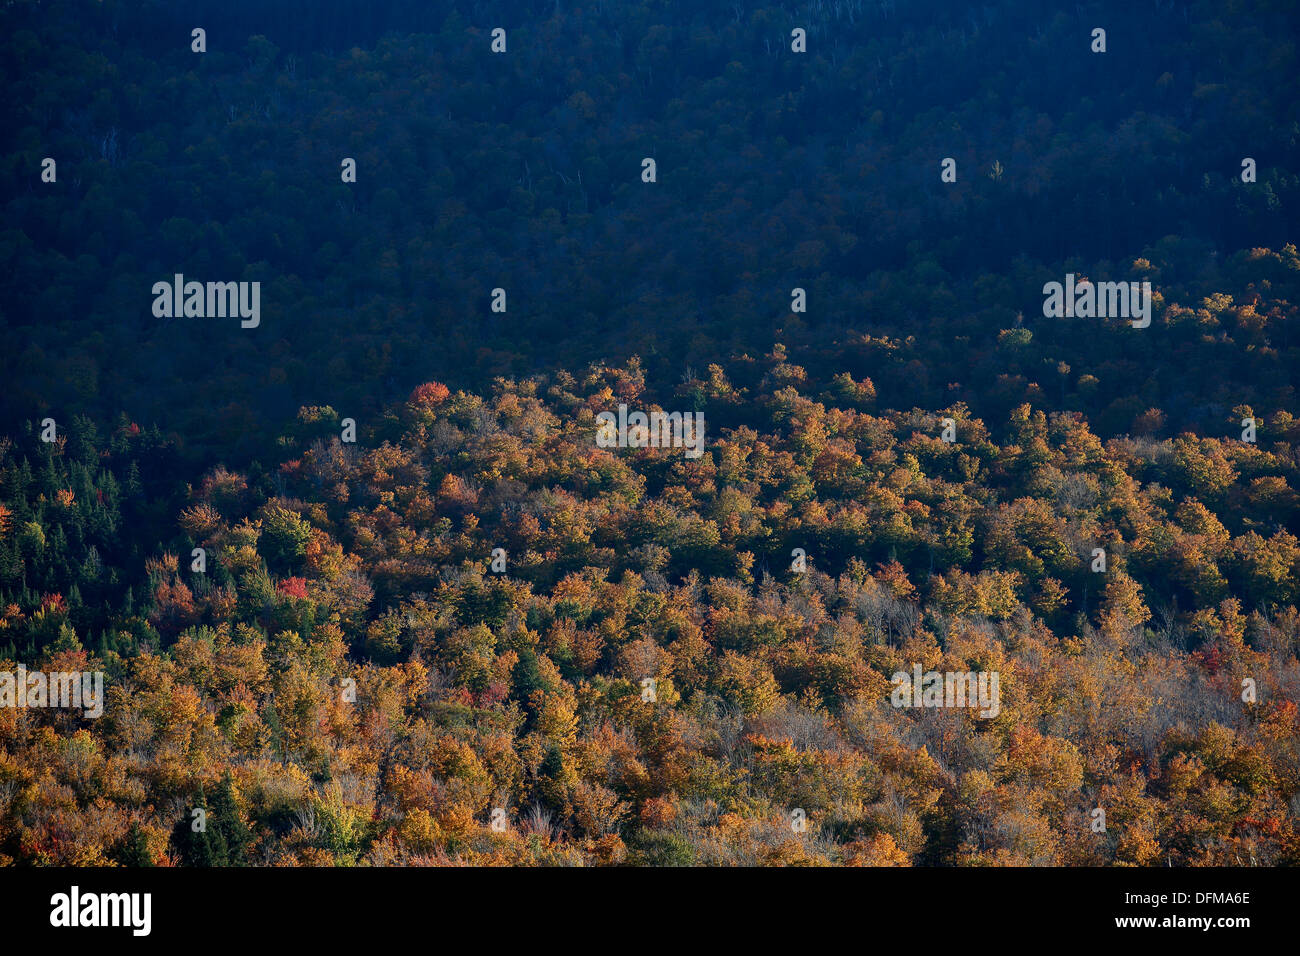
(351, 681)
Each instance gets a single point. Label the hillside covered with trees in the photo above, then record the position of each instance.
(365, 585)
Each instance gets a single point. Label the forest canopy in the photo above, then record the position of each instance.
(366, 583)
